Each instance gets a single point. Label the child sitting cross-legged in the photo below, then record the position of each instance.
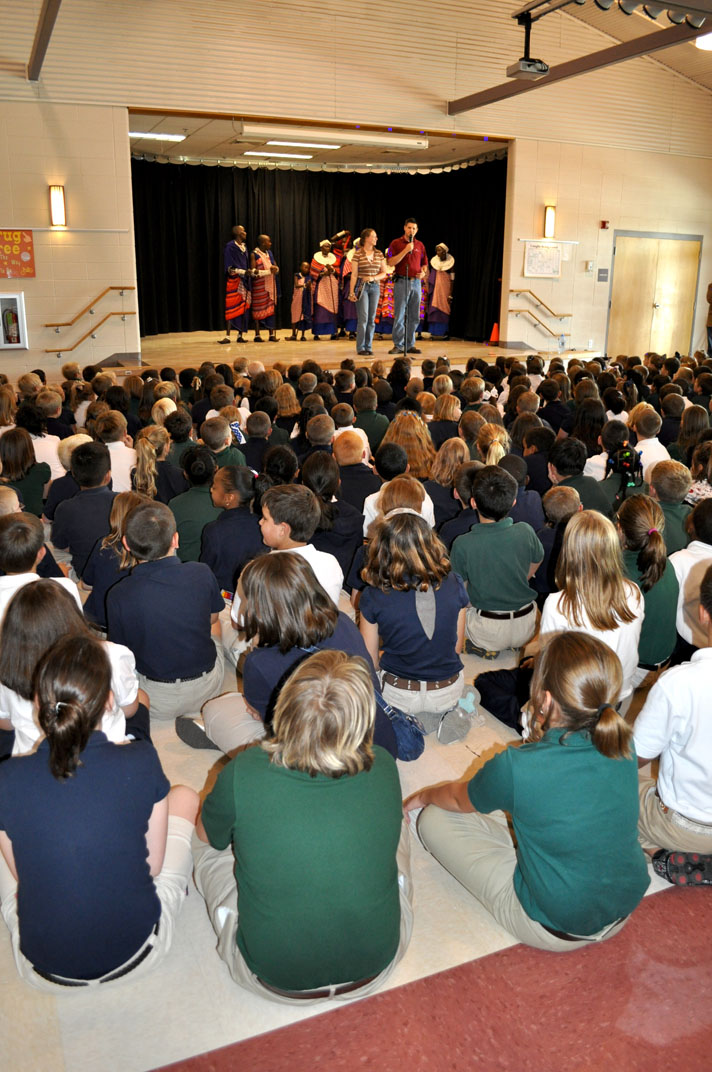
(496, 558)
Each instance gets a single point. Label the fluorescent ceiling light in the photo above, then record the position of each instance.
(249, 131)
(307, 144)
(290, 156)
(704, 42)
(157, 137)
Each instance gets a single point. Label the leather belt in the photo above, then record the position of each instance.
(579, 937)
(671, 811)
(134, 963)
(505, 615)
(178, 680)
(323, 992)
(412, 685)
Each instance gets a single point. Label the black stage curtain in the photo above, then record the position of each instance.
(184, 214)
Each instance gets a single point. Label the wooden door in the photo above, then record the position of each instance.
(653, 295)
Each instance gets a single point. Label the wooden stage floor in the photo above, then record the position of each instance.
(182, 350)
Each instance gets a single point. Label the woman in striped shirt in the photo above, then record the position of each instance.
(368, 268)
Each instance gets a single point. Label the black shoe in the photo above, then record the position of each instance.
(258, 338)
(369, 353)
(683, 868)
(395, 350)
(225, 341)
(414, 350)
(240, 339)
(192, 734)
(363, 353)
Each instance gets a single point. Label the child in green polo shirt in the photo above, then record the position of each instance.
(669, 484)
(496, 559)
(216, 434)
(194, 508)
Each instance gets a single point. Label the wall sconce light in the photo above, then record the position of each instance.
(57, 208)
(549, 221)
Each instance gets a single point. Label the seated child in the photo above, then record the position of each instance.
(20, 469)
(216, 434)
(64, 487)
(613, 437)
(467, 517)
(193, 509)
(495, 559)
(527, 505)
(536, 444)
(567, 460)
(47, 566)
(670, 483)
(234, 538)
(109, 560)
(690, 565)
(119, 891)
(112, 430)
(560, 504)
(391, 461)
(21, 551)
(179, 427)
(259, 430)
(647, 424)
(290, 515)
(358, 480)
(675, 822)
(82, 520)
(166, 612)
(324, 881)
(344, 421)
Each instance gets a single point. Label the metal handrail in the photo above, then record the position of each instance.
(87, 309)
(92, 329)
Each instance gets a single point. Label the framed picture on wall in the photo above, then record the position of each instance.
(13, 326)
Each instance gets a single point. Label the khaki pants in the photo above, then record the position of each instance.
(172, 698)
(215, 880)
(478, 851)
(497, 634)
(229, 724)
(667, 829)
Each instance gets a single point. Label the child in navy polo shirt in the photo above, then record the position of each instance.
(80, 521)
(259, 430)
(527, 505)
(166, 612)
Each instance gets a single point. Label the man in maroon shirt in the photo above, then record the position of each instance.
(408, 256)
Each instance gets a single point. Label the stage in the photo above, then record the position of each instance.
(190, 349)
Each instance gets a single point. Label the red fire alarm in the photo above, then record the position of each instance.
(605, 224)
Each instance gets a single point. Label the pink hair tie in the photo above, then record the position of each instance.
(651, 531)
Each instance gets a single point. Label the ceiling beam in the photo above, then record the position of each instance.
(43, 33)
(626, 50)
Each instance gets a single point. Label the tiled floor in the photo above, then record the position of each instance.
(190, 1004)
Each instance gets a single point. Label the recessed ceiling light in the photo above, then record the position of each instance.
(157, 137)
(307, 144)
(290, 156)
(704, 42)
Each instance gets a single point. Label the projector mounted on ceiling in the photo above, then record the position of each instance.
(528, 68)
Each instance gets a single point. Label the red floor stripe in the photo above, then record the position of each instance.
(641, 1001)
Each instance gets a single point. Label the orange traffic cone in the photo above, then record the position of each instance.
(494, 337)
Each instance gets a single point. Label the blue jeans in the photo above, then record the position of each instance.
(366, 308)
(406, 293)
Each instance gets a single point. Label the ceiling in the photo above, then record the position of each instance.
(217, 140)
(687, 60)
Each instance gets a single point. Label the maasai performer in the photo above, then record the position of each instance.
(326, 291)
(340, 243)
(423, 307)
(237, 287)
(440, 287)
(265, 288)
(301, 302)
(348, 312)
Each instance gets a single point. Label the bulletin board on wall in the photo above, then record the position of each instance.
(542, 260)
